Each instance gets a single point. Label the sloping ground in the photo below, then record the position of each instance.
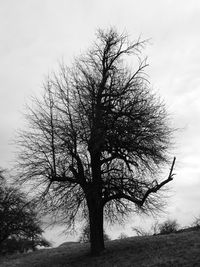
(68, 244)
(182, 249)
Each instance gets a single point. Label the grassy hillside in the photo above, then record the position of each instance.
(182, 249)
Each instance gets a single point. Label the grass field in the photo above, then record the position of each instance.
(182, 249)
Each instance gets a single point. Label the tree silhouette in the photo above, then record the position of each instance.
(18, 218)
(98, 138)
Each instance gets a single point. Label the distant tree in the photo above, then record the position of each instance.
(168, 227)
(18, 218)
(14, 244)
(98, 138)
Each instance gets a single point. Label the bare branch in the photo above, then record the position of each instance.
(155, 188)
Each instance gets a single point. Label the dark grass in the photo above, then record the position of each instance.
(182, 249)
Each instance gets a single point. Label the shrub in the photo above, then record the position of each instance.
(168, 227)
(154, 230)
(196, 222)
(140, 231)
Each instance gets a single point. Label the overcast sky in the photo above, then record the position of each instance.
(36, 34)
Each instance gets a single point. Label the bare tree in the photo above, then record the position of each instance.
(98, 138)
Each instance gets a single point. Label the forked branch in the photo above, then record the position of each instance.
(155, 188)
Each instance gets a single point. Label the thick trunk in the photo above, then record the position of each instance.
(96, 226)
(95, 206)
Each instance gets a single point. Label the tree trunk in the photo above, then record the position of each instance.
(96, 226)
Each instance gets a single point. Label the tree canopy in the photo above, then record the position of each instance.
(98, 138)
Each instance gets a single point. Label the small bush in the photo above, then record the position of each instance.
(196, 222)
(154, 230)
(168, 227)
(140, 231)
